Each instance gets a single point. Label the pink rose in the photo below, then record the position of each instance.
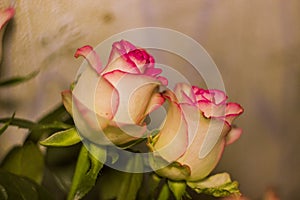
(5, 16)
(197, 128)
(115, 99)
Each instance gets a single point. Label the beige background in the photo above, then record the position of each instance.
(255, 45)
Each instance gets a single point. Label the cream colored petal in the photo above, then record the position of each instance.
(93, 98)
(156, 101)
(106, 99)
(135, 92)
(184, 93)
(172, 140)
(202, 166)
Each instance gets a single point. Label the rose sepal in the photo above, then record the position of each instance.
(218, 185)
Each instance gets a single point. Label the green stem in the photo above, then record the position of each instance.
(21, 123)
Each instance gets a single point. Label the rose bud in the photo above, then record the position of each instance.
(110, 103)
(197, 128)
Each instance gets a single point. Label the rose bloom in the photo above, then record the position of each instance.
(110, 103)
(5, 16)
(198, 126)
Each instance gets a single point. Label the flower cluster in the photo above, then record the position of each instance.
(113, 101)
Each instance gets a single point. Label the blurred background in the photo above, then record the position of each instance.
(255, 45)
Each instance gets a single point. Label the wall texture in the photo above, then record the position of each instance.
(255, 45)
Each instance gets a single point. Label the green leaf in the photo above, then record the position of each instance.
(122, 185)
(164, 193)
(17, 187)
(62, 139)
(86, 172)
(53, 125)
(18, 79)
(219, 185)
(59, 114)
(6, 124)
(177, 188)
(26, 160)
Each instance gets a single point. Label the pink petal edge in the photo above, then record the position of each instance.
(91, 56)
(5, 16)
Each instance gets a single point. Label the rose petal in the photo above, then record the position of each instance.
(215, 96)
(91, 56)
(151, 71)
(106, 99)
(88, 116)
(5, 16)
(185, 94)
(134, 94)
(209, 109)
(233, 110)
(202, 166)
(88, 100)
(142, 59)
(218, 96)
(173, 136)
(192, 117)
(97, 94)
(118, 60)
(89, 124)
(233, 135)
(155, 102)
(121, 63)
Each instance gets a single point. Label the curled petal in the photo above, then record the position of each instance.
(233, 110)
(163, 80)
(91, 56)
(151, 71)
